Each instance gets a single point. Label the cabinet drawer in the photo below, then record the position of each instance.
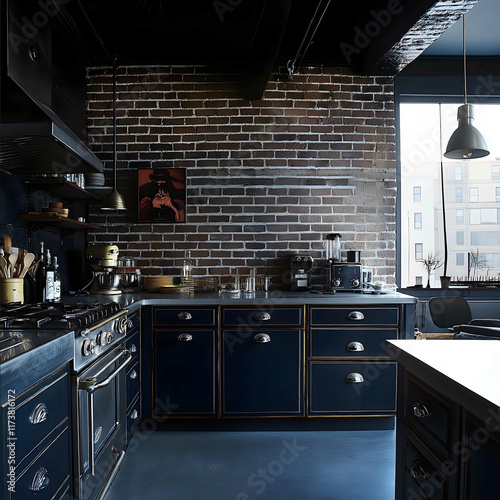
(133, 345)
(177, 316)
(428, 413)
(49, 471)
(264, 316)
(133, 418)
(340, 387)
(424, 474)
(40, 411)
(134, 318)
(133, 377)
(350, 342)
(354, 316)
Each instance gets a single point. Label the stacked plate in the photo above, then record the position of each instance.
(94, 179)
(153, 283)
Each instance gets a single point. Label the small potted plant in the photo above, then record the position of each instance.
(430, 264)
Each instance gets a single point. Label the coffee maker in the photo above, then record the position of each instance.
(103, 261)
(343, 276)
(301, 267)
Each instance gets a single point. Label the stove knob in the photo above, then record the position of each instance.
(109, 338)
(121, 325)
(336, 282)
(355, 282)
(84, 332)
(88, 347)
(101, 339)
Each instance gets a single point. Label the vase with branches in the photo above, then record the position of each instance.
(430, 264)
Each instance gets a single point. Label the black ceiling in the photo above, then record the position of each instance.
(256, 37)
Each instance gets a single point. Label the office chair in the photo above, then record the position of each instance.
(447, 312)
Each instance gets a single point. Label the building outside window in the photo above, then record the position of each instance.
(417, 194)
(472, 188)
(419, 251)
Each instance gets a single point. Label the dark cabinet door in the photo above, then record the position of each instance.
(262, 372)
(184, 372)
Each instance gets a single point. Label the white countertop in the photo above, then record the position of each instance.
(465, 371)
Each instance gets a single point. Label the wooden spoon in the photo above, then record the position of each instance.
(12, 262)
(28, 260)
(7, 244)
(20, 262)
(4, 266)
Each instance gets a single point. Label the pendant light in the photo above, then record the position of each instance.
(114, 200)
(466, 142)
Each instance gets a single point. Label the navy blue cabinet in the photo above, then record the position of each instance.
(185, 371)
(262, 366)
(348, 370)
(36, 448)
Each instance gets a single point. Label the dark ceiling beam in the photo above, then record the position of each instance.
(265, 48)
(398, 33)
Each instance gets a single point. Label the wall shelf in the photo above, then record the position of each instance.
(61, 187)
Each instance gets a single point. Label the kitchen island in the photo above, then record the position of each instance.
(448, 429)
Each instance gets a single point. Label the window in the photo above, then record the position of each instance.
(471, 187)
(419, 251)
(418, 280)
(417, 220)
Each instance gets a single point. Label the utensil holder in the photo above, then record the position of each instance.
(11, 290)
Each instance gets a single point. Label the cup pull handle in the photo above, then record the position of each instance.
(185, 337)
(133, 348)
(134, 414)
(421, 410)
(40, 480)
(262, 338)
(418, 471)
(39, 414)
(355, 347)
(355, 316)
(184, 316)
(133, 375)
(354, 378)
(262, 316)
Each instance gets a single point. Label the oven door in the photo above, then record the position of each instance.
(101, 429)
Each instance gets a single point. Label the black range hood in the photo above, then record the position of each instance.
(42, 99)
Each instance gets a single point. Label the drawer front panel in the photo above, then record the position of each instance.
(134, 318)
(263, 316)
(424, 477)
(425, 413)
(351, 342)
(354, 316)
(49, 471)
(184, 372)
(364, 388)
(185, 317)
(133, 383)
(133, 418)
(40, 412)
(133, 345)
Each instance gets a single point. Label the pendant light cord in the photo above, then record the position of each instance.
(114, 122)
(465, 63)
(445, 266)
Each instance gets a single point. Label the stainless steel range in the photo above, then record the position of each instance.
(98, 383)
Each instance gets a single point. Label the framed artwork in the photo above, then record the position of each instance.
(162, 195)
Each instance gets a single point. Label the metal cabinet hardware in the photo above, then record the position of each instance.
(355, 316)
(133, 375)
(184, 316)
(97, 435)
(421, 410)
(355, 347)
(133, 348)
(354, 378)
(40, 480)
(262, 338)
(185, 337)
(418, 471)
(134, 414)
(39, 414)
(262, 316)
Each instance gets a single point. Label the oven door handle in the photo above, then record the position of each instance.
(91, 385)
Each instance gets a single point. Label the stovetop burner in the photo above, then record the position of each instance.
(50, 315)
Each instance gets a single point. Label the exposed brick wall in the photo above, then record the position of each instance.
(266, 179)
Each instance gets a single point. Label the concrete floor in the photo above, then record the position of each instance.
(264, 465)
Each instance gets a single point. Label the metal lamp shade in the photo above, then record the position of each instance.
(466, 142)
(114, 201)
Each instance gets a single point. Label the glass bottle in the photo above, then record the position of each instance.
(49, 278)
(57, 282)
(40, 276)
(187, 269)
